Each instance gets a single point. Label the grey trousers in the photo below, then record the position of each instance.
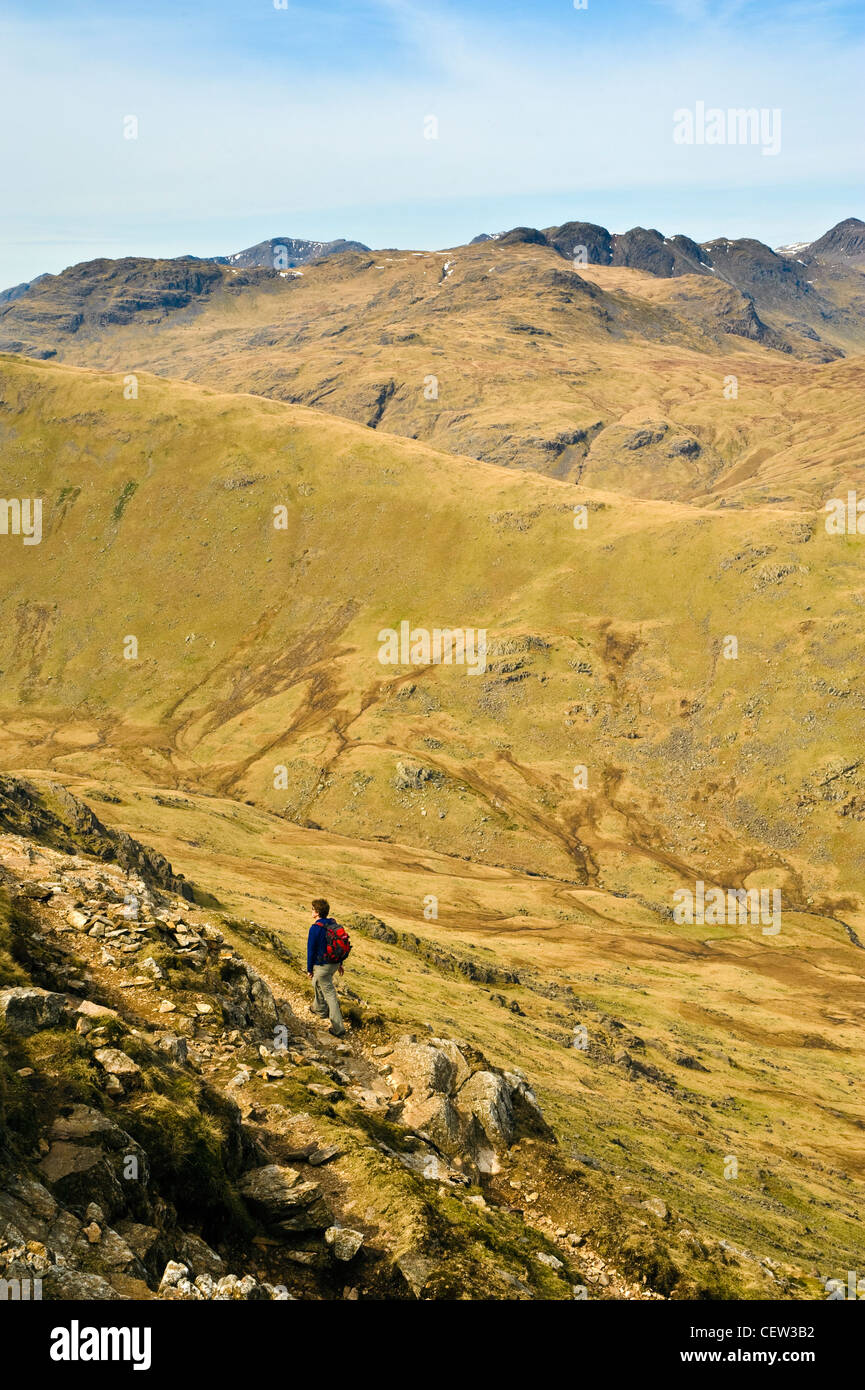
(326, 1001)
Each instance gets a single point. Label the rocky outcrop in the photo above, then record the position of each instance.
(578, 239)
(446, 961)
(51, 815)
(469, 1111)
(416, 777)
(86, 298)
(517, 236)
(646, 249)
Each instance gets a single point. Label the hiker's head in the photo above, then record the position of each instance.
(321, 906)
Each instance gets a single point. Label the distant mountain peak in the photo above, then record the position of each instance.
(285, 252)
(845, 241)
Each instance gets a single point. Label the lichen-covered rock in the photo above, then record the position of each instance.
(91, 1159)
(146, 1242)
(247, 1000)
(110, 1252)
(425, 1068)
(34, 1196)
(117, 1064)
(61, 1284)
(486, 1097)
(343, 1241)
(437, 1117)
(26, 1010)
(277, 1191)
(462, 1070)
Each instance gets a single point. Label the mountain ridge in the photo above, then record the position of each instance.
(642, 248)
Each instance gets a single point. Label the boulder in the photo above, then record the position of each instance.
(324, 1092)
(552, 1261)
(437, 1117)
(198, 1255)
(462, 1070)
(425, 1068)
(34, 1195)
(89, 1161)
(142, 1240)
(174, 1047)
(528, 1116)
(277, 1192)
(77, 1173)
(415, 777)
(317, 1157)
(316, 1217)
(65, 1237)
(343, 1241)
(486, 1097)
(83, 1122)
(90, 1010)
(18, 1223)
(247, 1001)
(111, 1253)
(26, 1010)
(117, 1064)
(173, 1275)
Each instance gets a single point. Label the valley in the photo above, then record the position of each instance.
(269, 511)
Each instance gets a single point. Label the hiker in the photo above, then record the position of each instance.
(327, 947)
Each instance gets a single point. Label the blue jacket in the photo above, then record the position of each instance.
(316, 943)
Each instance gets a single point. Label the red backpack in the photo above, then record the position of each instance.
(338, 944)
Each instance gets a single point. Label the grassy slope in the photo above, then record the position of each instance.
(524, 352)
(258, 647)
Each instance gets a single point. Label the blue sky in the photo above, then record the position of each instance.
(308, 120)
